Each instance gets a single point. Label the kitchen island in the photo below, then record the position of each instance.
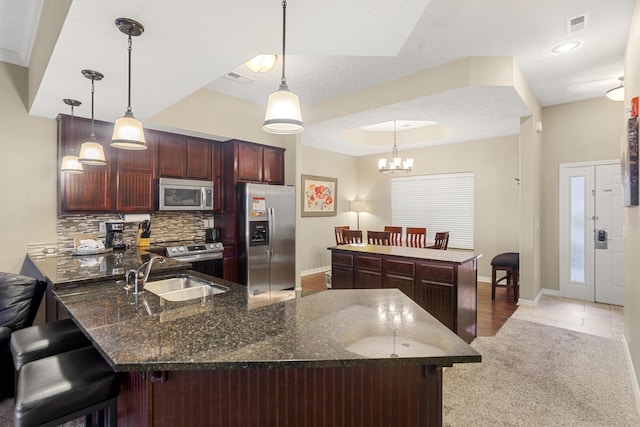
(359, 357)
(443, 282)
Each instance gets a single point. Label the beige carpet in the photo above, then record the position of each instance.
(538, 375)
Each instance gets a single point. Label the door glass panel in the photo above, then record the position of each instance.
(578, 212)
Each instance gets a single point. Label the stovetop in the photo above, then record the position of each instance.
(192, 248)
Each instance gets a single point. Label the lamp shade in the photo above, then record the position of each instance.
(71, 165)
(128, 134)
(358, 206)
(283, 114)
(91, 153)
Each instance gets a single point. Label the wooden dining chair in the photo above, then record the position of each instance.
(378, 238)
(352, 236)
(442, 241)
(416, 237)
(339, 229)
(395, 235)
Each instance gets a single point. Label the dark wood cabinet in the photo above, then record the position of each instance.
(128, 182)
(181, 156)
(136, 171)
(94, 189)
(230, 262)
(250, 162)
(446, 289)
(217, 176)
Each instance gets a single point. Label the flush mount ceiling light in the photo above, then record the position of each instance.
(127, 131)
(283, 114)
(566, 46)
(70, 162)
(261, 63)
(91, 152)
(617, 93)
(396, 163)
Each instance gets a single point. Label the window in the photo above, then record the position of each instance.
(437, 202)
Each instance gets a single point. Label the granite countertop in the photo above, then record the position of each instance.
(233, 330)
(69, 270)
(450, 255)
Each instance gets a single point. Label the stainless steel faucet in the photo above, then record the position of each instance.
(141, 274)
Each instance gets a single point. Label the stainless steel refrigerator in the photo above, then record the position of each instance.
(267, 237)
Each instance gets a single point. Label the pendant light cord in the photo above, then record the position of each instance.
(72, 130)
(284, 36)
(93, 129)
(129, 91)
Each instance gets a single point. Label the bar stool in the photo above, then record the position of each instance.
(66, 386)
(37, 342)
(509, 262)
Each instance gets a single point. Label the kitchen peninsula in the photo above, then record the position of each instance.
(442, 282)
(358, 357)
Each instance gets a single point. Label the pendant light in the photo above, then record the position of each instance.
(70, 164)
(283, 114)
(396, 164)
(91, 152)
(128, 133)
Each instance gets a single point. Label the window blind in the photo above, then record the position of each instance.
(437, 202)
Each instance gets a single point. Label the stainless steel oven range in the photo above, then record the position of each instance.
(204, 257)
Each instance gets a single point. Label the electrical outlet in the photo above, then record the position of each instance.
(102, 230)
(205, 223)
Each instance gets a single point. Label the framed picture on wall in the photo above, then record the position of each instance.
(630, 165)
(319, 195)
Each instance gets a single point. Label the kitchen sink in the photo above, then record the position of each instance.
(183, 287)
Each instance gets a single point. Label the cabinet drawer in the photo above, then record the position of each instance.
(342, 259)
(369, 263)
(438, 272)
(400, 267)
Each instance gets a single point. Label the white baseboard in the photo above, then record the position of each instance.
(315, 271)
(634, 378)
(484, 279)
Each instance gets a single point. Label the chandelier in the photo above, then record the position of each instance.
(396, 163)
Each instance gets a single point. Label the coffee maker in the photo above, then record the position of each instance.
(114, 235)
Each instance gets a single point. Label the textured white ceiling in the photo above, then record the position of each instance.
(333, 48)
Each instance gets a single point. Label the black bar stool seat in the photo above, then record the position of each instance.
(509, 262)
(66, 386)
(37, 342)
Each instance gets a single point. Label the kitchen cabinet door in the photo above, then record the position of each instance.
(216, 175)
(273, 165)
(172, 155)
(198, 159)
(249, 162)
(93, 190)
(136, 171)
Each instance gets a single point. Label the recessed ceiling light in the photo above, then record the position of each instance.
(566, 46)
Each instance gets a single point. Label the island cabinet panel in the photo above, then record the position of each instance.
(446, 289)
(369, 272)
(230, 262)
(400, 274)
(399, 396)
(136, 173)
(94, 189)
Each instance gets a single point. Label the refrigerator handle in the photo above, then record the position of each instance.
(272, 226)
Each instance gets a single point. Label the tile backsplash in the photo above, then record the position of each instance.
(165, 227)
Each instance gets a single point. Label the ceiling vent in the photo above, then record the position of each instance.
(576, 24)
(238, 78)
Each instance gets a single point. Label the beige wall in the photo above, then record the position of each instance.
(494, 163)
(27, 173)
(632, 215)
(315, 234)
(576, 132)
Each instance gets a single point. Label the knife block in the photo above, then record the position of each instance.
(142, 241)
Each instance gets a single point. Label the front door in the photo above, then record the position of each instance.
(590, 232)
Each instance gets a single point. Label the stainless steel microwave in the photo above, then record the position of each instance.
(184, 195)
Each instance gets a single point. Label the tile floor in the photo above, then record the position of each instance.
(589, 317)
